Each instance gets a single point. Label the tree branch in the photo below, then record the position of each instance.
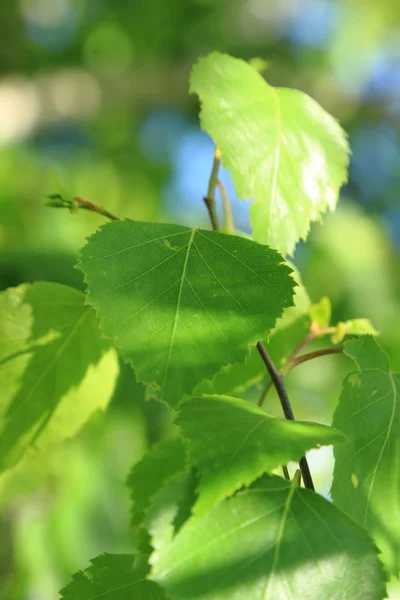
(285, 472)
(86, 204)
(228, 217)
(298, 360)
(309, 338)
(278, 381)
(316, 354)
(209, 200)
(74, 204)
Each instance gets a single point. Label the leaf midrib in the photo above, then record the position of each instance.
(183, 276)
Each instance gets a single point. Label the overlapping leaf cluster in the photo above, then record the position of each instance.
(220, 525)
(185, 308)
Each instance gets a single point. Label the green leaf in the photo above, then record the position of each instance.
(353, 327)
(54, 367)
(170, 508)
(114, 577)
(366, 483)
(268, 542)
(233, 380)
(301, 302)
(158, 465)
(280, 146)
(181, 303)
(233, 442)
(290, 329)
(321, 312)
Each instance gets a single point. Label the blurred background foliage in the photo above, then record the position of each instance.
(94, 93)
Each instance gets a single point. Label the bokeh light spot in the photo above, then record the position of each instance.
(108, 50)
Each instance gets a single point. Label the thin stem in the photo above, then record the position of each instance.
(316, 354)
(209, 200)
(294, 361)
(228, 217)
(285, 472)
(265, 392)
(86, 204)
(306, 473)
(309, 338)
(73, 204)
(279, 383)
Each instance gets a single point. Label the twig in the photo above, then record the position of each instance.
(285, 472)
(294, 362)
(265, 393)
(316, 354)
(73, 204)
(209, 200)
(278, 381)
(86, 204)
(309, 338)
(228, 217)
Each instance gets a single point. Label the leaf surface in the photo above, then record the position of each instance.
(170, 508)
(321, 312)
(114, 577)
(268, 542)
(181, 303)
(158, 465)
(366, 483)
(290, 329)
(281, 148)
(54, 367)
(233, 442)
(353, 327)
(235, 379)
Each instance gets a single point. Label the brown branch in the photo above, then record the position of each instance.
(228, 217)
(309, 338)
(73, 204)
(209, 200)
(294, 361)
(316, 354)
(279, 383)
(86, 204)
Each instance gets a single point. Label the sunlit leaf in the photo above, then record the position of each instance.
(55, 369)
(366, 482)
(181, 303)
(268, 542)
(114, 577)
(353, 327)
(321, 312)
(232, 443)
(281, 147)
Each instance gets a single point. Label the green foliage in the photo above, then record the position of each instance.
(353, 327)
(170, 508)
(366, 479)
(54, 367)
(254, 443)
(188, 309)
(272, 540)
(282, 149)
(115, 577)
(162, 462)
(235, 379)
(321, 312)
(181, 303)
